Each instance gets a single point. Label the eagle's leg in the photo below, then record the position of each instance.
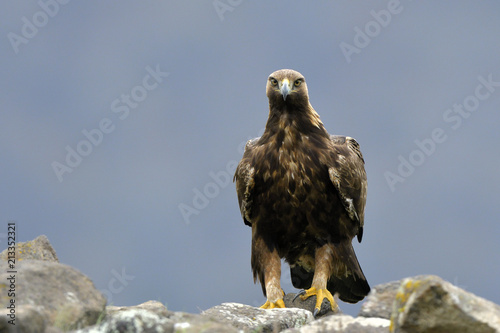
(322, 271)
(272, 276)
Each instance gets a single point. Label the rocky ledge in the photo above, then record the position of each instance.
(55, 298)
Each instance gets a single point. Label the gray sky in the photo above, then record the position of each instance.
(121, 124)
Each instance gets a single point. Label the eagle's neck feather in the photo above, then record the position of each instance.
(303, 120)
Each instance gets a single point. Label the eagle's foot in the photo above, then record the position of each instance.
(271, 305)
(320, 295)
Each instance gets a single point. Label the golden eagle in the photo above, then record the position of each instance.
(303, 192)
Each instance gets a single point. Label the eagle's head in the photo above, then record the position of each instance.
(287, 87)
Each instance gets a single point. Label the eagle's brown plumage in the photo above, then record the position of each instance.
(303, 192)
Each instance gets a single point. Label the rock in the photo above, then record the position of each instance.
(152, 306)
(37, 249)
(249, 318)
(345, 324)
(430, 304)
(48, 294)
(380, 300)
(154, 317)
(32, 320)
(189, 323)
(132, 320)
(309, 304)
(50, 297)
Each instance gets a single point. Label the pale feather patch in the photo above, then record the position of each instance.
(348, 202)
(273, 290)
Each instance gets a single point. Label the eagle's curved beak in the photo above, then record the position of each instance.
(285, 88)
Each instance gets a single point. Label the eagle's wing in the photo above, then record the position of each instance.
(347, 173)
(244, 177)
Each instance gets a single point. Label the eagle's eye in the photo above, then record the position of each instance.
(273, 81)
(297, 82)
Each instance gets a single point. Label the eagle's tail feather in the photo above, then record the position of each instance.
(351, 287)
(301, 278)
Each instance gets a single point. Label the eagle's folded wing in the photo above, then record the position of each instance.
(347, 173)
(244, 177)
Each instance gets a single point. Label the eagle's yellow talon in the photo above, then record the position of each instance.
(320, 295)
(271, 305)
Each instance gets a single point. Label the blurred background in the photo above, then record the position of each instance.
(122, 122)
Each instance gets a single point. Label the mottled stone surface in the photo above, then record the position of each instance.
(249, 318)
(380, 300)
(344, 324)
(49, 294)
(430, 304)
(36, 249)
